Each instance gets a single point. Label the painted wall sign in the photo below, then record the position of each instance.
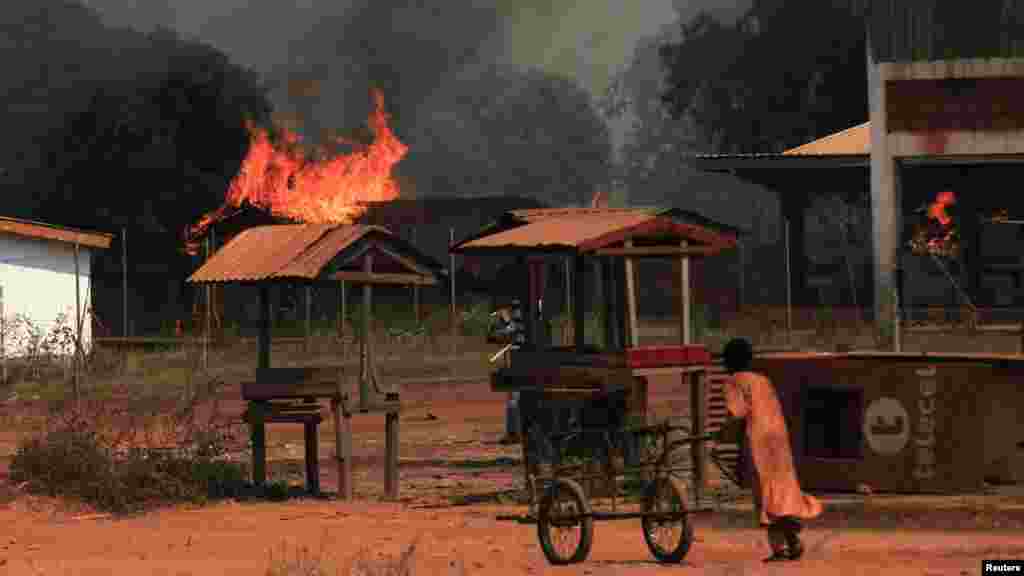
(985, 104)
(886, 426)
(924, 437)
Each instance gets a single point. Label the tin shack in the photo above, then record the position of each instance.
(900, 422)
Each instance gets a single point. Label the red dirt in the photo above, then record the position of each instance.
(232, 538)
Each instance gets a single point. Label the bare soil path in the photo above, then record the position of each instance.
(450, 454)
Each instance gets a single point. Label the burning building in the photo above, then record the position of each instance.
(280, 182)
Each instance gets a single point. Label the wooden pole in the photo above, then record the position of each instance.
(742, 276)
(257, 410)
(698, 408)
(897, 328)
(209, 314)
(264, 335)
(312, 457)
(343, 443)
(3, 339)
(78, 329)
(124, 282)
(391, 456)
(569, 322)
(258, 438)
(579, 310)
(365, 347)
(451, 283)
(685, 314)
(309, 316)
(634, 333)
(789, 292)
(342, 316)
(415, 290)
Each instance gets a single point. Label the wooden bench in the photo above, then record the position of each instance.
(290, 395)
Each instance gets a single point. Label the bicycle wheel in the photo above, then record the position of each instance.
(564, 527)
(669, 535)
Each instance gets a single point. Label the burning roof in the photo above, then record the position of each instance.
(288, 183)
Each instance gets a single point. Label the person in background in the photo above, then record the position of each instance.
(779, 502)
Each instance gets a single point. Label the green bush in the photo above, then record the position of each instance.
(475, 320)
(276, 490)
(73, 461)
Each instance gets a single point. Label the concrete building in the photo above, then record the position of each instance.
(38, 278)
(945, 114)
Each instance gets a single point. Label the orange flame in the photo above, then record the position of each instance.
(286, 182)
(944, 241)
(937, 209)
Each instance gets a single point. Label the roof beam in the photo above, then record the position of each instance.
(654, 251)
(358, 277)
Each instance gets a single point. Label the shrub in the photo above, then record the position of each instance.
(475, 320)
(73, 460)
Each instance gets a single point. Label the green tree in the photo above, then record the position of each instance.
(784, 74)
(153, 150)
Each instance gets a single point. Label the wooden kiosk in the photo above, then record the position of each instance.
(606, 382)
(308, 253)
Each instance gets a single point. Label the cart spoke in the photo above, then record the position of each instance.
(665, 524)
(566, 525)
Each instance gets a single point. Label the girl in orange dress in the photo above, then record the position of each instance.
(778, 500)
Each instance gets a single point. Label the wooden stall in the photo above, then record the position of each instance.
(268, 256)
(601, 379)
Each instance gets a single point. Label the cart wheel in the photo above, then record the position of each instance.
(668, 539)
(565, 537)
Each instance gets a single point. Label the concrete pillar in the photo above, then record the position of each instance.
(885, 204)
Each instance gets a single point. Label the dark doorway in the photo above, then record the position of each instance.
(832, 423)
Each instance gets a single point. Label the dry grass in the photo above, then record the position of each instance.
(304, 561)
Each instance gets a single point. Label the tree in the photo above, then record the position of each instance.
(519, 132)
(771, 81)
(154, 150)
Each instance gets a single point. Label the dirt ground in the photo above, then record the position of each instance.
(455, 480)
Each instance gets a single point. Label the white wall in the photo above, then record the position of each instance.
(38, 279)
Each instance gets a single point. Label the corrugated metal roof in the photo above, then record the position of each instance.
(850, 142)
(30, 229)
(285, 251)
(586, 229)
(925, 30)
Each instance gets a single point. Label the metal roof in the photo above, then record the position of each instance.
(924, 30)
(853, 141)
(850, 148)
(586, 230)
(39, 230)
(292, 252)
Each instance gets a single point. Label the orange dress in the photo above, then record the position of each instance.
(777, 492)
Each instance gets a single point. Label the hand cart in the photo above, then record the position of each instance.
(599, 374)
(565, 515)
